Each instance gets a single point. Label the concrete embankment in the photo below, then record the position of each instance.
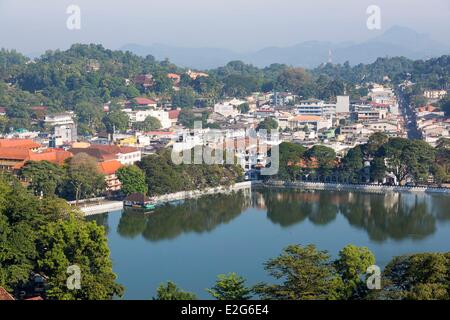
(105, 206)
(182, 195)
(359, 187)
(108, 206)
(102, 206)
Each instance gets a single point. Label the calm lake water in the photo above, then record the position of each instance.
(193, 241)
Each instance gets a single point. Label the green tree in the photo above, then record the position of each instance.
(89, 115)
(3, 123)
(184, 98)
(353, 163)
(377, 169)
(351, 265)
(133, 179)
(408, 159)
(268, 124)
(83, 177)
(244, 108)
(444, 104)
(116, 120)
(325, 156)
(170, 291)
(149, 124)
(43, 177)
(305, 274)
(230, 287)
(296, 80)
(290, 155)
(187, 118)
(423, 276)
(376, 140)
(83, 244)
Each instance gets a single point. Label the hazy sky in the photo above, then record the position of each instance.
(35, 25)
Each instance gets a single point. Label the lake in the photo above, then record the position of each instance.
(191, 242)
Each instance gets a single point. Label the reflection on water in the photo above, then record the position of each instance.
(383, 216)
(192, 242)
(169, 221)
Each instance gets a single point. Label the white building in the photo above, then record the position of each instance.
(343, 104)
(60, 118)
(63, 126)
(141, 115)
(310, 121)
(226, 109)
(314, 107)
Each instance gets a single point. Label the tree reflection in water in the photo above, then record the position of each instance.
(384, 216)
(170, 221)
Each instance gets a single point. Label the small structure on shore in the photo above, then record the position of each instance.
(138, 200)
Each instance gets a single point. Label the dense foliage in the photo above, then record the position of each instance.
(78, 179)
(46, 236)
(404, 159)
(164, 176)
(85, 77)
(305, 273)
(132, 179)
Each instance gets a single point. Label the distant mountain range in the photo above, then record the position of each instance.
(396, 41)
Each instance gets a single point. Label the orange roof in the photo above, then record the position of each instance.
(173, 114)
(52, 155)
(4, 295)
(144, 101)
(173, 76)
(109, 167)
(104, 152)
(306, 118)
(14, 153)
(38, 298)
(23, 155)
(428, 108)
(19, 143)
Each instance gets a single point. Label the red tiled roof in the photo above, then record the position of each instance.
(104, 152)
(109, 167)
(2, 110)
(173, 76)
(173, 114)
(52, 155)
(14, 153)
(23, 155)
(39, 108)
(34, 298)
(306, 118)
(19, 143)
(4, 295)
(428, 108)
(144, 101)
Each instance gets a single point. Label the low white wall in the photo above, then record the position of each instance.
(198, 193)
(101, 208)
(118, 205)
(362, 187)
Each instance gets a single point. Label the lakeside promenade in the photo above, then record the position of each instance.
(102, 206)
(352, 187)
